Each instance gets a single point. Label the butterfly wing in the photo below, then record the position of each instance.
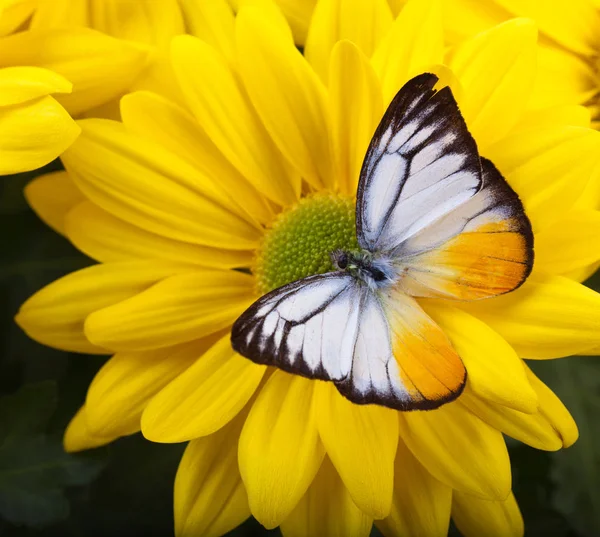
(447, 219)
(401, 359)
(483, 249)
(422, 164)
(307, 327)
(376, 347)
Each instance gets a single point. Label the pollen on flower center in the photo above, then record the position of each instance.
(300, 240)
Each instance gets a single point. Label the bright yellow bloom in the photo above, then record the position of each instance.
(180, 193)
(568, 68)
(34, 127)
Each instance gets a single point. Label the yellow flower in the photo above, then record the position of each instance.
(568, 68)
(34, 127)
(180, 193)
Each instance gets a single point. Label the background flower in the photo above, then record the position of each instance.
(163, 294)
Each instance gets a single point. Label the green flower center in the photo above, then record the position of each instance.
(301, 239)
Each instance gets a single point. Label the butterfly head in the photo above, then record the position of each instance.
(365, 267)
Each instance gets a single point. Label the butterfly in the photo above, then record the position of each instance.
(433, 220)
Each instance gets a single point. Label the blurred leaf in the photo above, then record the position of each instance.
(34, 469)
(576, 471)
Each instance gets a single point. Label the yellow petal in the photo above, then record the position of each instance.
(55, 315)
(210, 499)
(356, 107)
(280, 451)
(212, 22)
(574, 26)
(549, 168)
(151, 187)
(299, 15)
(223, 111)
(327, 509)
(363, 23)
(144, 21)
(204, 398)
(459, 449)
(181, 308)
(100, 67)
(33, 133)
(571, 243)
(60, 14)
(14, 14)
(78, 437)
(125, 384)
(421, 504)
(414, 43)
(568, 115)
(548, 317)
(20, 84)
(107, 239)
(52, 196)
(153, 117)
(497, 71)
(287, 94)
(465, 18)
(474, 517)
(562, 77)
(367, 469)
(494, 370)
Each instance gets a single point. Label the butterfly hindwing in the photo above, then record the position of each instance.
(421, 164)
(483, 249)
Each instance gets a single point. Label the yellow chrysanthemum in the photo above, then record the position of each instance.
(179, 194)
(568, 68)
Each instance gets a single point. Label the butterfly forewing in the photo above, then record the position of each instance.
(421, 165)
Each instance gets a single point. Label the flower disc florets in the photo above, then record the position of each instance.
(300, 240)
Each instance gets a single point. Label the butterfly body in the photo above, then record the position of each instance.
(433, 220)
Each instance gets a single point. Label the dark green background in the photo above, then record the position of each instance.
(125, 489)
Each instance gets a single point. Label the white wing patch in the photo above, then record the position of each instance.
(422, 164)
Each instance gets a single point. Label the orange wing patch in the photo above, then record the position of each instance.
(492, 255)
(430, 369)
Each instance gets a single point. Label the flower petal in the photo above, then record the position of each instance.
(204, 398)
(99, 66)
(414, 43)
(549, 168)
(548, 317)
(14, 14)
(474, 517)
(421, 504)
(280, 451)
(52, 196)
(287, 94)
(299, 15)
(224, 112)
(459, 449)
(541, 430)
(571, 243)
(495, 372)
(152, 188)
(572, 115)
(125, 384)
(497, 71)
(60, 14)
(181, 308)
(367, 469)
(327, 509)
(106, 238)
(162, 122)
(20, 84)
(210, 499)
(213, 22)
(33, 134)
(362, 23)
(575, 28)
(154, 23)
(356, 107)
(55, 315)
(78, 437)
